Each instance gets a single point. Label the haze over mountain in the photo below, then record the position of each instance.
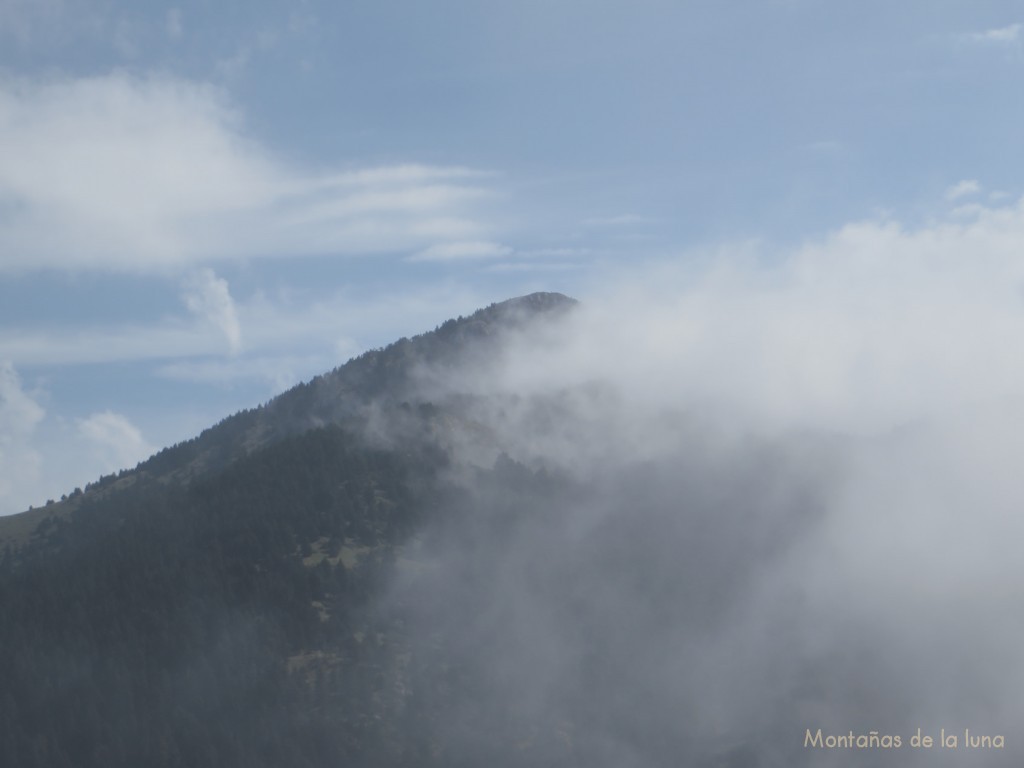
(543, 534)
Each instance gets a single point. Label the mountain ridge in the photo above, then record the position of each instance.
(331, 397)
(241, 600)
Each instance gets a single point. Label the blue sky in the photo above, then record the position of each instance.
(203, 204)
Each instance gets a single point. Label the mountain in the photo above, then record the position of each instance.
(385, 378)
(408, 561)
(220, 603)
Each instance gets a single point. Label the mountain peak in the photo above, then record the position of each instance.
(541, 301)
(387, 374)
(335, 397)
(522, 308)
(510, 313)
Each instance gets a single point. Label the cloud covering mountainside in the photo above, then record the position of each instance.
(795, 506)
(619, 532)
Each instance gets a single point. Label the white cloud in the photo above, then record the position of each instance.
(105, 171)
(208, 297)
(543, 260)
(150, 174)
(43, 457)
(892, 351)
(963, 189)
(425, 198)
(119, 442)
(872, 326)
(968, 210)
(1001, 35)
(409, 173)
(466, 250)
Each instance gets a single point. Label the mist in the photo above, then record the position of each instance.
(710, 509)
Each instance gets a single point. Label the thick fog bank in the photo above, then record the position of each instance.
(706, 512)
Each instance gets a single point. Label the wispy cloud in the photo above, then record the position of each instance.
(462, 251)
(963, 188)
(999, 36)
(43, 455)
(119, 442)
(106, 344)
(143, 174)
(208, 297)
(306, 336)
